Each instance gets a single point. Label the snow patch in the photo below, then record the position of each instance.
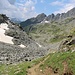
(38, 44)
(4, 38)
(22, 46)
(4, 26)
(46, 21)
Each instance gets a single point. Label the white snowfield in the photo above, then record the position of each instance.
(4, 38)
(46, 21)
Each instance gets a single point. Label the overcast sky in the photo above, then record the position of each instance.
(24, 9)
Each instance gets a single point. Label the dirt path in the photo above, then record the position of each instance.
(34, 69)
(67, 70)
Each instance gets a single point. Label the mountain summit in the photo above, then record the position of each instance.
(34, 20)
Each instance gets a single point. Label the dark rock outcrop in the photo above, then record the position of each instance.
(3, 18)
(50, 17)
(67, 44)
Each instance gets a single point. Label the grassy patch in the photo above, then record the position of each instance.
(37, 36)
(18, 69)
(55, 61)
(15, 69)
(53, 40)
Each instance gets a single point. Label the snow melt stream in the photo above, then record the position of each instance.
(38, 44)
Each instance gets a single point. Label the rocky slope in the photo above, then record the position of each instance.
(53, 29)
(15, 44)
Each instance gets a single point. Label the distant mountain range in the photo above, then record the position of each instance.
(42, 18)
(15, 20)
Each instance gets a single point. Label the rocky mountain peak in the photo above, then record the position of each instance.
(39, 18)
(50, 17)
(70, 13)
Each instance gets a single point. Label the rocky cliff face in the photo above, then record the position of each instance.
(15, 44)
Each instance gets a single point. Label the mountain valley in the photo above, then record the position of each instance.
(42, 45)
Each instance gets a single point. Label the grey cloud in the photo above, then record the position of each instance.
(21, 11)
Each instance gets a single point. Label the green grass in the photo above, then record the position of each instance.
(37, 36)
(55, 61)
(19, 68)
(15, 69)
(54, 40)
